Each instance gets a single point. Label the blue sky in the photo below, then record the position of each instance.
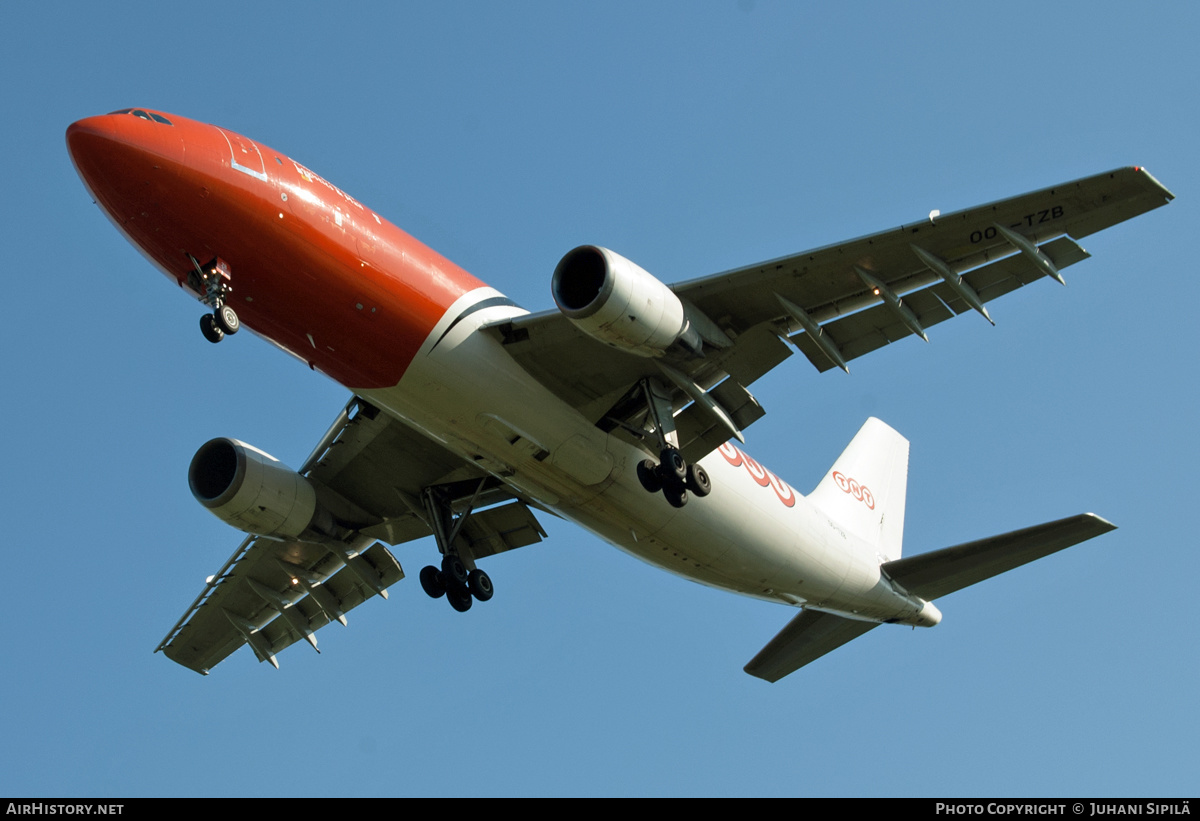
(691, 138)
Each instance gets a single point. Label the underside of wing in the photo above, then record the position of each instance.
(273, 594)
(374, 478)
(834, 304)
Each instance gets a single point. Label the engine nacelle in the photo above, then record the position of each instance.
(252, 490)
(617, 302)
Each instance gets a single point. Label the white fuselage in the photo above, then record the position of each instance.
(752, 535)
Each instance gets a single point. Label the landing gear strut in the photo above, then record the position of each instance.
(459, 583)
(672, 475)
(215, 279)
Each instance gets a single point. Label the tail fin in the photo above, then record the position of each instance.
(864, 492)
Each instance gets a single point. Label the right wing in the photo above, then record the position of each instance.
(369, 471)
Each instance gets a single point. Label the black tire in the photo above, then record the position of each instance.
(698, 481)
(676, 496)
(208, 327)
(459, 598)
(480, 585)
(431, 582)
(648, 476)
(454, 571)
(671, 463)
(227, 320)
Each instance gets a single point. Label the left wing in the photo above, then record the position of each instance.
(369, 472)
(834, 303)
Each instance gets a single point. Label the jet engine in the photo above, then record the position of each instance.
(615, 301)
(254, 491)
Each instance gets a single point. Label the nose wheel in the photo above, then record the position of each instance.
(215, 278)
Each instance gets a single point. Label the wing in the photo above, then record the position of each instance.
(834, 304)
(371, 472)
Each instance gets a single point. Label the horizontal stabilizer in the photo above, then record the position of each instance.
(807, 637)
(941, 572)
(813, 633)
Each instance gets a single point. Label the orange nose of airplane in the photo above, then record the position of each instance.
(96, 145)
(120, 155)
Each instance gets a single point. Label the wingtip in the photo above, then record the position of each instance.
(1105, 524)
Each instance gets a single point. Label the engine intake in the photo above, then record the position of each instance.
(615, 301)
(252, 490)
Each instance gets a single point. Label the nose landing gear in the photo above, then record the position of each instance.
(215, 279)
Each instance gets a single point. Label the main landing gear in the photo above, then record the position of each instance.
(215, 279)
(672, 475)
(460, 584)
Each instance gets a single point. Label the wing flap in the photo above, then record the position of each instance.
(272, 594)
(872, 328)
(499, 529)
(806, 638)
(941, 572)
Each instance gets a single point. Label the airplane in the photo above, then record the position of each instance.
(622, 409)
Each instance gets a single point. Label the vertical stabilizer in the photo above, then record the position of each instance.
(864, 492)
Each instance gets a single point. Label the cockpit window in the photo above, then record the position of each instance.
(145, 115)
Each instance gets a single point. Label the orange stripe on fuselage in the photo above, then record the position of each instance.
(307, 259)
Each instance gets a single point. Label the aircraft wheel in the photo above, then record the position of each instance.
(431, 582)
(227, 320)
(698, 481)
(671, 464)
(208, 327)
(676, 496)
(480, 585)
(648, 477)
(454, 571)
(459, 598)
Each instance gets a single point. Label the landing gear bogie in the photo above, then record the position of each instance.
(458, 579)
(674, 477)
